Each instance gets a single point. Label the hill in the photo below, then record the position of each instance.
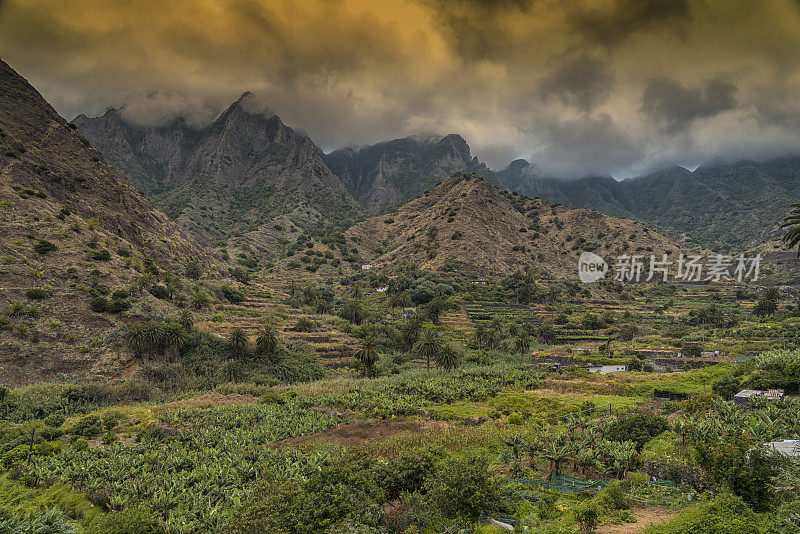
(721, 206)
(72, 229)
(470, 225)
(241, 177)
(393, 172)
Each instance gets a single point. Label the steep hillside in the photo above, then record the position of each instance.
(229, 179)
(72, 228)
(721, 206)
(395, 171)
(470, 225)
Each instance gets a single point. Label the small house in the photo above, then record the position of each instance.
(746, 395)
(786, 447)
(608, 369)
(409, 312)
(366, 267)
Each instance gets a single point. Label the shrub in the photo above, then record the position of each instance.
(463, 487)
(128, 521)
(232, 295)
(587, 516)
(43, 247)
(99, 255)
(39, 293)
(726, 514)
(638, 427)
(99, 304)
(160, 292)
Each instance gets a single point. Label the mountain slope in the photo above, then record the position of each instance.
(468, 224)
(395, 171)
(721, 206)
(70, 224)
(231, 178)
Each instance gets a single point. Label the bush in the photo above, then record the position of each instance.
(39, 293)
(99, 255)
(230, 294)
(160, 292)
(43, 247)
(726, 514)
(639, 427)
(99, 304)
(463, 487)
(131, 520)
(587, 516)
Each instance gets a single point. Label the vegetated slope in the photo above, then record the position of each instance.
(68, 222)
(230, 179)
(395, 171)
(470, 225)
(721, 206)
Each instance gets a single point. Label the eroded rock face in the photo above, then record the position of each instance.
(231, 177)
(396, 171)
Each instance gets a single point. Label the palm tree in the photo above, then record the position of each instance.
(368, 354)
(428, 346)
(410, 331)
(792, 223)
(435, 309)
(237, 343)
(186, 319)
(480, 336)
(448, 357)
(267, 343)
(522, 343)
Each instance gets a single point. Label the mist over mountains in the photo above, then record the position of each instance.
(239, 171)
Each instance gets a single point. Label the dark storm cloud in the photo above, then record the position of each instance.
(600, 86)
(611, 24)
(674, 106)
(582, 82)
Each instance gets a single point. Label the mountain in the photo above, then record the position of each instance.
(469, 224)
(395, 171)
(238, 177)
(722, 206)
(72, 228)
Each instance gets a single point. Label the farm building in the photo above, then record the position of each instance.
(607, 369)
(786, 447)
(746, 395)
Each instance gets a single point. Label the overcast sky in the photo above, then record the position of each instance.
(609, 87)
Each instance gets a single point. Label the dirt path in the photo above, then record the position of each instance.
(644, 518)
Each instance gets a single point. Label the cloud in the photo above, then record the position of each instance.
(674, 107)
(576, 148)
(582, 82)
(602, 86)
(612, 22)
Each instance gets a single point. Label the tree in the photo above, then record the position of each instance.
(546, 334)
(448, 357)
(267, 343)
(410, 330)
(237, 343)
(792, 225)
(193, 269)
(587, 516)
(352, 311)
(428, 346)
(523, 343)
(435, 309)
(556, 451)
(186, 319)
(368, 354)
(767, 304)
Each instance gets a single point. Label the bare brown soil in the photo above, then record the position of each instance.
(644, 518)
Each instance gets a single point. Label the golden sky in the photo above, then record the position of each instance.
(599, 86)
